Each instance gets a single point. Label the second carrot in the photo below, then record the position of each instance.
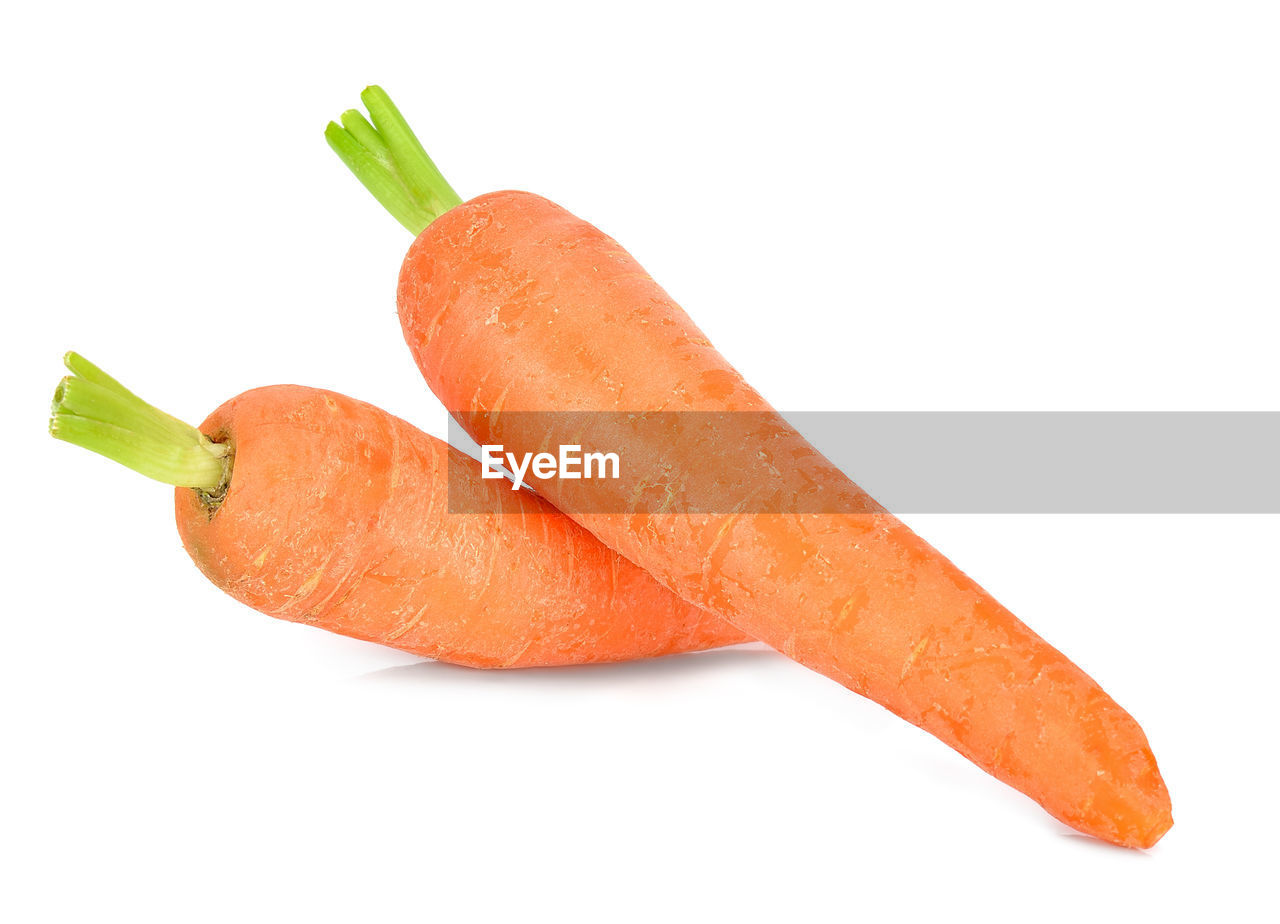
(511, 304)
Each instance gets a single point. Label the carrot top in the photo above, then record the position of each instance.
(389, 160)
(94, 411)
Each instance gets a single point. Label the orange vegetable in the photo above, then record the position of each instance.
(509, 303)
(316, 508)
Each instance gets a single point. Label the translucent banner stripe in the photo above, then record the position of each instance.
(916, 462)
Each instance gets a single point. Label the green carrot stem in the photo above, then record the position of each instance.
(387, 157)
(355, 122)
(94, 411)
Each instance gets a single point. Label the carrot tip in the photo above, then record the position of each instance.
(1158, 830)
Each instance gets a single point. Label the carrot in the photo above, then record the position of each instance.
(320, 509)
(509, 303)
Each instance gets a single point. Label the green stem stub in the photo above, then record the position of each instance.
(389, 160)
(94, 411)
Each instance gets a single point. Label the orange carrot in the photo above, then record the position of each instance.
(316, 508)
(510, 304)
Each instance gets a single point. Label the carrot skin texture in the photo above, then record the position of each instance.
(509, 302)
(337, 516)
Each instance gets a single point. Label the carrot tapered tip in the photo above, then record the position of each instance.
(1132, 808)
(1157, 830)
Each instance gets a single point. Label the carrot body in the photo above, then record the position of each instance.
(337, 516)
(509, 302)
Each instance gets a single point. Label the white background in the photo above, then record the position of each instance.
(866, 206)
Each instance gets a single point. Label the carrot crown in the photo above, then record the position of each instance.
(389, 160)
(94, 411)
